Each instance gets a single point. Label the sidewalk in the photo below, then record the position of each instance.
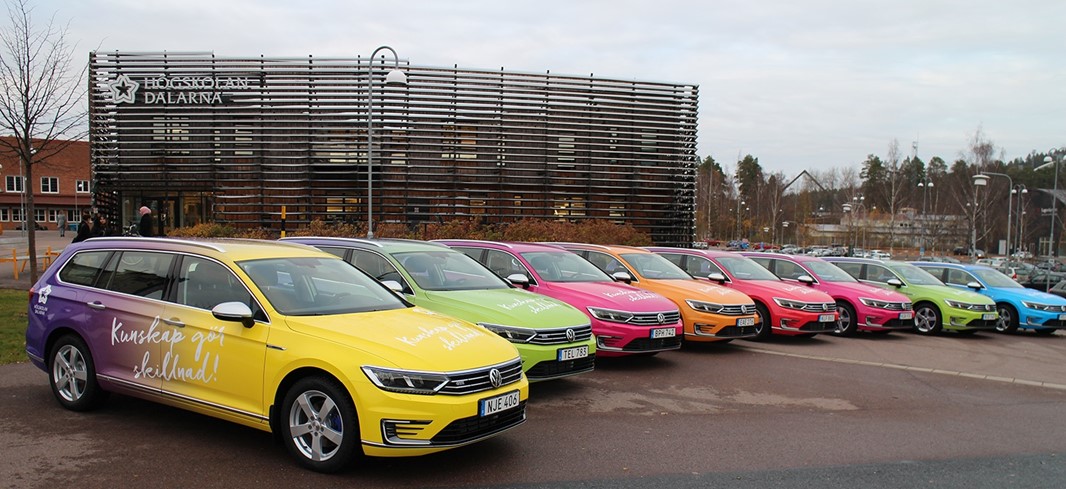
(17, 240)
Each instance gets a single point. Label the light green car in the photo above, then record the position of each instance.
(554, 338)
(937, 307)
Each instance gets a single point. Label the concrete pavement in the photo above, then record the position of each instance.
(17, 241)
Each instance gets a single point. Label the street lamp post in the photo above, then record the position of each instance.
(925, 184)
(1019, 190)
(739, 233)
(979, 181)
(851, 224)
(397, 77)
(1010, 182)
(1049, 161)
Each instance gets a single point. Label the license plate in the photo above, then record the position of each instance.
(1062, 317)
(663, 333)
(906, 315)
(827, 318)
(572, 353)
(497, 404)
(988, 316)
(746, 322)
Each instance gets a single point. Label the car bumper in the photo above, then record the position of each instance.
(701, 326)
(614, 339)
(793, 322)
(542, 362)
(964, 320)
(872, 319)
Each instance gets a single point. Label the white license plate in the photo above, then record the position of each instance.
(663, 333)
(827, 318)
(988, 316)
(746, 322)
(497, 404)
(906, 315)
(1062, 317)
(572, 353)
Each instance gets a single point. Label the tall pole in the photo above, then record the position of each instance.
(1010, 182)
(394, 76)
(1054, 209)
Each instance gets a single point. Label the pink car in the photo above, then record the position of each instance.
(862, 307)
(626, 320)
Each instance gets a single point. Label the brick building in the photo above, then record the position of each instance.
(61, 184)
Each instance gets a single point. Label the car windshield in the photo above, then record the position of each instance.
(743, 268)
(914, 275)
(318, 287)
(995, 278)
(563, 266)
(654, 267)
(828, 272)
(448, 270)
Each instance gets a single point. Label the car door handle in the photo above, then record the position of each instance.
(174, 322)
(99, 306)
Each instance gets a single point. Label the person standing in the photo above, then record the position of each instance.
(61, 223)
(146, 228)
(85, 228)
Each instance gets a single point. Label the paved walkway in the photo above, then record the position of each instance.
(17, 241)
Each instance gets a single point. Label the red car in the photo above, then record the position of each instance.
(790, 309)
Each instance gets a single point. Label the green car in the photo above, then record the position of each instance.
(554, 338)
(937, 307)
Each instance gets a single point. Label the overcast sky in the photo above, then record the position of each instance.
(799, 84)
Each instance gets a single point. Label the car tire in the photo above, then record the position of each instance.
(319, 424)
(848, 324)
(927, 319)
(73, 375)
(1008, 318)
(764, 327)
(1045, 331)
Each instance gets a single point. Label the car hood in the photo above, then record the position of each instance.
(786, 290)
(705, 290)
(411, 338)
(1027, 295)
(856, 289)
(505, 307)
(916, 292)
(608, 295)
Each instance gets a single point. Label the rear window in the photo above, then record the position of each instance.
(84, 267)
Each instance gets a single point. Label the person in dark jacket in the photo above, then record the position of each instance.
(85, 228)
(147, 226)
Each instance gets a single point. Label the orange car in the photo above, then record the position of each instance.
(709, 312)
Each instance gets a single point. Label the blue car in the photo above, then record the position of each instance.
(1018, 306)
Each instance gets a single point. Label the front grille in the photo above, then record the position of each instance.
(981, 324)
(736, 332)
(737, 309)
(815, 327)
(472, 381)
(469, 429)
(558, 336)
(653, 344)
(652, 318)
(553, 368)
(1054, 324)
(898, 323)
(820, 306)
(898, 306)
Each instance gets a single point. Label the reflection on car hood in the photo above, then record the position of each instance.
(607, 295)
(412, 338)
(704, 290)
(506, 307)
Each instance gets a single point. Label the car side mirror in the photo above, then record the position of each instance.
(622, 277)
(975, 285)
(717, 277)
(519, 279)
(393, 286)
(234, 311)
(807, 279)
(894, 282)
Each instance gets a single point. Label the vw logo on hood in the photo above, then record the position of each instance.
(661, 318)
(570, 336)
(495, 378)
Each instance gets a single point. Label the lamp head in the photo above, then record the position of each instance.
(980, 180)
(396, 77)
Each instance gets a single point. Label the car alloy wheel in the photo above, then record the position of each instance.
(320, 423)
(927, 319)
(764, 327)
(74, 375)
(848, 323)
(1008, 319)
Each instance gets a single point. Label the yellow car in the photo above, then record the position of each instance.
(279, 337)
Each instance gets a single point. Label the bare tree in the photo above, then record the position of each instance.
(894, 192)
(42, 99)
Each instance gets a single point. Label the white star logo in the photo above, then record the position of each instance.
(123, 89)
(42, 298)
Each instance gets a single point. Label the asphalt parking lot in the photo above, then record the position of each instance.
(787, 410)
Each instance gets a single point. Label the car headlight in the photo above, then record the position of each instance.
(406, 381)
(510, 333)
(790, 304)
(1043, 307)
(875, 303)
(610, 315)
(704, 306)
(968, 306)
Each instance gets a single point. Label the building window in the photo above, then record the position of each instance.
(82, 187)
(53, 214)
(16, 214)
(49, 185)
(38, 215)
(5, 215)
(14, 183)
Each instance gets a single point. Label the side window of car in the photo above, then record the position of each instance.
(937, 272)
(377, 266)
(141, 273)
(504, 264)
(84, 267)
(789, 270)
(853, 269)
(878, 273)
(701, 267)
(608, 263)
(333, 250)
(206, 284)
(765, 262)
(959, 277)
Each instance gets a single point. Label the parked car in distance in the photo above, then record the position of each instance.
(1041, 279)
(937, 307)
(625, 320)
(783, 308)
(861, 307)
(277, 337)
(710, 313)
(554, 339)
(1017, 306)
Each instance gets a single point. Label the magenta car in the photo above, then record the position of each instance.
(862, 307)
(626, 320)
